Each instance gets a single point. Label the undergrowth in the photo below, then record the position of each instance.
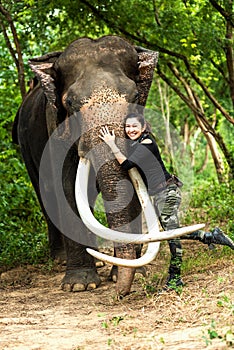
(212, 203)
(23, 237)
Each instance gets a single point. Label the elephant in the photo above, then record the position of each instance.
(93, 82)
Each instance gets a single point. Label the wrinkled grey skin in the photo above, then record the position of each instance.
(75, 83)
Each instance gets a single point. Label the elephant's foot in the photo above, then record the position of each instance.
(80, 280)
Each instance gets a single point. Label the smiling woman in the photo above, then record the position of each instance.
(145, 156)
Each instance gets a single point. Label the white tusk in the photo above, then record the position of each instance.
(149, 256)
(152, 221)
(152, 249)
(90, 221)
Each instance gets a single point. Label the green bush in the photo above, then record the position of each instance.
(212, 203)
(23, 237)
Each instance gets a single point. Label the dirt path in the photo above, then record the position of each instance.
(35, 314)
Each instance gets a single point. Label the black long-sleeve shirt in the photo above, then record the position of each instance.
(147, 159)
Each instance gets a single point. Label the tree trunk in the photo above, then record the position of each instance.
(15, 53)
(165, 110)
(205, 161)
(209, 132)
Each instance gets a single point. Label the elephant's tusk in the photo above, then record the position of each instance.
(149, 256)
(152, 223)
(89, 220)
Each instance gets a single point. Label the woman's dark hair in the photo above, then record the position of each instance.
(140, 117)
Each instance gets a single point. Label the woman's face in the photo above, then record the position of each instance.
(133, 128)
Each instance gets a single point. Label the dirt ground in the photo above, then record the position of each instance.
(36, 314)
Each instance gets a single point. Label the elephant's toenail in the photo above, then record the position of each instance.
(66, 287)
(114, 278)
(78, 287)
(91, 286)
(99, 263)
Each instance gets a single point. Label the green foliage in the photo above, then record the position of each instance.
(99, 211)
(213, 333)
(23, 236)
(212, 203)
(226, 302)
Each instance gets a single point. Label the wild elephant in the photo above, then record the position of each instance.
(90, 84)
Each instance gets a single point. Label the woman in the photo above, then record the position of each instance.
(162, 186)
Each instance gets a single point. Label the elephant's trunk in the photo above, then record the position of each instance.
(119, 201)
(125, 274)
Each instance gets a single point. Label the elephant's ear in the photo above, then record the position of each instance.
(43, 69)
(147, 62)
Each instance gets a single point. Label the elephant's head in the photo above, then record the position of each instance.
(98, 81)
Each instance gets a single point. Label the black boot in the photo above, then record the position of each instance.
(214, 237)
(174, 273)
(218, 237)
(174, 280)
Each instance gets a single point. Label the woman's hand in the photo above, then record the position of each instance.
(107, 136)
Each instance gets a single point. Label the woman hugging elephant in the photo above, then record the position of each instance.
(163, 187)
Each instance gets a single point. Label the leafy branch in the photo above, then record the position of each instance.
(16, 53)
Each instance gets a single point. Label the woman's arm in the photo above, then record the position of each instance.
(109, 139)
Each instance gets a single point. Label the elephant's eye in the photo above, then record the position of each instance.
(69, 101)
(136, 97)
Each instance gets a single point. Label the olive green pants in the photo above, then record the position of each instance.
(166, 205)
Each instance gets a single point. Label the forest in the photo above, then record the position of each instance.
(190, 109)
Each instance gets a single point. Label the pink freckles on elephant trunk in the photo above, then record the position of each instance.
(108, 107)
(104, 107)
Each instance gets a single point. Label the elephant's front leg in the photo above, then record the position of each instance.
(81, 273)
